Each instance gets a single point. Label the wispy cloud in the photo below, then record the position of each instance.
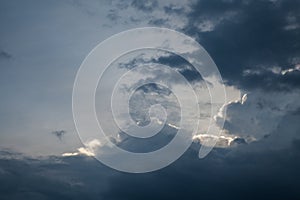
(59, 134)
(5, 55)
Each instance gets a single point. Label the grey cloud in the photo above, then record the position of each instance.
(174, 61)
(270, 81)
(113, 15)
(155, 88)
(238, 141)
(151, 12)
(59, 134)
(254, 36)
(140, 145)
(262, 114)
(5, 55)
(145, 6)
(158, 22)
(173, 9)
(48, 178)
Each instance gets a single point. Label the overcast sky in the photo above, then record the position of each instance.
(254, 44)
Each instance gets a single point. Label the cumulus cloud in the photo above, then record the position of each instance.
(259, 114)
(151, 94)
(250, 56)
(90, 148)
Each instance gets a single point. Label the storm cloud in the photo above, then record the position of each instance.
(228, 174)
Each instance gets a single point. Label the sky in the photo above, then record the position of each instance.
(255, 46)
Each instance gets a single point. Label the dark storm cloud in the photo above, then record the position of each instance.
(153, 143)
(247, 34)
(256, 47)
(223, 174)
(184, 67)
(269, 80)
(171, 60)
(49, 178)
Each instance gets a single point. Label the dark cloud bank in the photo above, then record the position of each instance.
(224, 174)
(250, 35)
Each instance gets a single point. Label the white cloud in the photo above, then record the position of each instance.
(258, 114)
(292, 23)
(275, 70)
(296, 68)
(89, 149)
